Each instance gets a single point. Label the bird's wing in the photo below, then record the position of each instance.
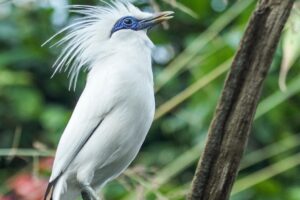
(86, 118)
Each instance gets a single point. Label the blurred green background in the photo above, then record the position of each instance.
(190, 62)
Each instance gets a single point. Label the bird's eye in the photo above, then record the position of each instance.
(128, 21)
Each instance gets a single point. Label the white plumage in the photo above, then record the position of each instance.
(116, 108)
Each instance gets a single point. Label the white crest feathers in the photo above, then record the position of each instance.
(85, 39)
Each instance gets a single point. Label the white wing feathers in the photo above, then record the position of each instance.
(87, 116)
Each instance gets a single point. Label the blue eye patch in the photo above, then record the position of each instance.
(127, 22)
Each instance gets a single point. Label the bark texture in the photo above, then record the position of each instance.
(230, 127)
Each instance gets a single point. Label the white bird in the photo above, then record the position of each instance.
(116, 108)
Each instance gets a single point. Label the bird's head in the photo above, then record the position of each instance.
(97, 32)
(139, 21)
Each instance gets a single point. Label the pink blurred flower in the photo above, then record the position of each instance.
(27, 187)
(9, 197)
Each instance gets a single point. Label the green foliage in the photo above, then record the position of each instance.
(201, 43)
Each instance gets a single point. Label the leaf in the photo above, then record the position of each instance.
(27, 102)
(10, 78)
(54, 119)
(182, 7)
(290, 47)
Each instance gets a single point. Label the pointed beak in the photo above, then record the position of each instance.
(156, 19)
(160, 17)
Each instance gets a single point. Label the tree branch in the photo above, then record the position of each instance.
(230, 127)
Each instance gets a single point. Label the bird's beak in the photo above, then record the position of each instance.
(156, 19)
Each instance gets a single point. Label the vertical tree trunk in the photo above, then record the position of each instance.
(230, 127)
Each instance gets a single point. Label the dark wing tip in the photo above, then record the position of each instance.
(50, 188)
(49, 191)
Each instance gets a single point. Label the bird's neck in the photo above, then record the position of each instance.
(131, 56)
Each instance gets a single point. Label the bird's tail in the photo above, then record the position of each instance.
(50, 189)
(57, 190)
(51, 186)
